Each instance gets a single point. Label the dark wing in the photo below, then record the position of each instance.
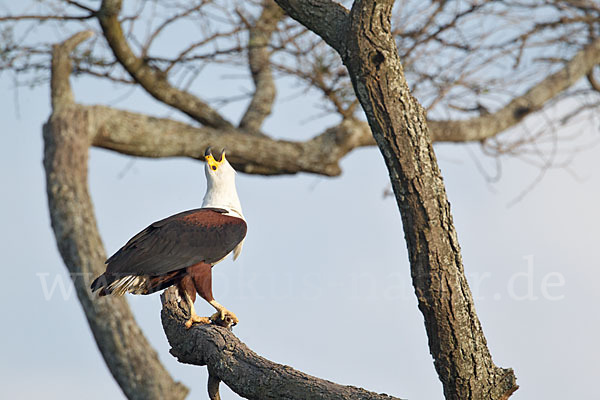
(200, 235)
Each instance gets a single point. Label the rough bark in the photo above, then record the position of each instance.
(246, 373)
(120, 340)
(456, 341)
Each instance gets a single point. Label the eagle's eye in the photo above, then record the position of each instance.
(214, 167)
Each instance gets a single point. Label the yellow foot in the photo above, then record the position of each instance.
(224, 317)
(196, 319)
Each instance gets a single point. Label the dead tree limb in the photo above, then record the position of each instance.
(245, 372)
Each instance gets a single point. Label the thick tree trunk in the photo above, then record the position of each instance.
(456, 341)
(364, 41)
(130, 358)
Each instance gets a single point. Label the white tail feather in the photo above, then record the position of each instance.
(128, 284)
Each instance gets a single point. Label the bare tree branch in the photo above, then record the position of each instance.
(245, 372)
(258, 61)
(151, 79)
(45, 17)
(143, 136)
(117, 335)
(487, 126)
(79, 5)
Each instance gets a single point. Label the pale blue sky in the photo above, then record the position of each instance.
(312, 243)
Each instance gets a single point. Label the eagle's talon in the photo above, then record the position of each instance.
(196, 319)
(225, 316)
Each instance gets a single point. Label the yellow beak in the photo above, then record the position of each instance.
(211, 161)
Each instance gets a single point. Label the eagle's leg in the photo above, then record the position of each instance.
(223, 314)
(201, 275)
(188, 292)
(194, 318)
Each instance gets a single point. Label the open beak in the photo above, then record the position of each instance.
(214, 162)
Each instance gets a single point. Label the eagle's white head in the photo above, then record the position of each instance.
(220, 184)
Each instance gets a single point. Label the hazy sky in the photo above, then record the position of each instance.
(323, 282)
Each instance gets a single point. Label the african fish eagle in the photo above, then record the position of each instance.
(182, 249)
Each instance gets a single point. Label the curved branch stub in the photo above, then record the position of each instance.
(61, 93)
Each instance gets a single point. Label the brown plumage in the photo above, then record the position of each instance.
(176, 249)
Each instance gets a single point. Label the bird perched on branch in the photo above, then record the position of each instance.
(182, 249)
